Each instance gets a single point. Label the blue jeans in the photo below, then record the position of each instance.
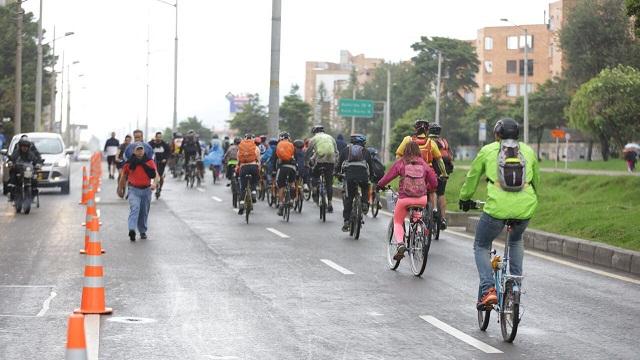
(488, 229)
(139, 203)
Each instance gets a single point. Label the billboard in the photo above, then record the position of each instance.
(237, 102)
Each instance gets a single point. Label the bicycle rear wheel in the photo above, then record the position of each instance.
(436, 225)
(323, 205)
(375, 204)
(509, 313)
(418, 248)
(483, 319)
(391, 247)
(358, 222)
(248, 204)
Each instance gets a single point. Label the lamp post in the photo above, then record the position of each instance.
(53, 81)
(17, 117)
(68, 127)
(274, 83)
(438, 87)
(37, 124)
(526, 85)
(387, 120)
(175, 67)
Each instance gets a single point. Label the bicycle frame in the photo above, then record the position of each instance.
(503, 274)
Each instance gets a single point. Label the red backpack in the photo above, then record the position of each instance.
(443, 145)
(247, 151)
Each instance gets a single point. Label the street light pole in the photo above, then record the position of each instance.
(526, 87)
(68, 127)
(387, 120)
(146, 110)
(274, 84)
(17, 117)
(353, 118)
(438, 87)
(53, 84)
(175, 74)
(37, 121)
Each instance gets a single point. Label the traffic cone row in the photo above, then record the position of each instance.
(93, 292)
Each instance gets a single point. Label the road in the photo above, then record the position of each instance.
(213, 287)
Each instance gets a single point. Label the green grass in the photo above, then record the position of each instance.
(611, 165)
(600, 208)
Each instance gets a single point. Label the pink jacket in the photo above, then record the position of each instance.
(398, 170)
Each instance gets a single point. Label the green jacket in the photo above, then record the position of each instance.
(502, 204)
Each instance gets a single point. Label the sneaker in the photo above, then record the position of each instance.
(400, 252)
(254, 196)
(443, 224)
(228, 184)
(241, 208)
(346, 226)
(132, 235)
(280, 210)
(329, 207)
(143, 236)
(488, 299)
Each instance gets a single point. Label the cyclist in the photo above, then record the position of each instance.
(354, 163)
(111, 150)
(190, 147)
(428, 148)
(417, 179)
(299, 156)
(248, 164)
(512, 173)
(161, 153)
(321, 156)
(266, 159)
(231, 160)
(443, 145)
(262, 145)
(285, 163)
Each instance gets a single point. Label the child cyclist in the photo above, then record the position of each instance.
(417, 179)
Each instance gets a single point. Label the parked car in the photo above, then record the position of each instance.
(56, 170)
(84, 155)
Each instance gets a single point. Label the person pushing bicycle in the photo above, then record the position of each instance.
(513, 177)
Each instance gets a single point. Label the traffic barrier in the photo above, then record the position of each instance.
(93, 294)
(91, 206)
(85, 187)
(76, 340)
(91, 233)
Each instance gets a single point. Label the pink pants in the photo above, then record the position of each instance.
(401, 212)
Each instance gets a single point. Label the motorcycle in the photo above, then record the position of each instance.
(25, 189)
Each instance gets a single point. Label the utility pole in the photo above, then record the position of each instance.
(17, 117)
(438, 87)
(175, 74)
(68, 127)
(387, 120)
(353, 118)
(62, 92)
(526, 87)
(53, 84)
(146, 113)
(37, 121)
(274, 84)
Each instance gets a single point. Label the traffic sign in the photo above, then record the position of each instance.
(557, 133)
(355, 108)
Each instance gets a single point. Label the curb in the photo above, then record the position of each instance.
(590, 252)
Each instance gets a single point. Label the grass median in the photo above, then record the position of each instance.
(600, 208)
(611, 165)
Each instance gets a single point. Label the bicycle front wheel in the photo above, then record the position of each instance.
(375, 204)
(391, 248)
(358, 222)
(509, 314)
(323, 207)
(483, 319)
(418, 248)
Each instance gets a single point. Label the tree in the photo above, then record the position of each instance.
(404, 126)
(7, 68)
(252, 119)
(633, 10)
(295, 114)
(608, 106)
(547, 107)
(588, 46)
(490, 108)
(192, 123)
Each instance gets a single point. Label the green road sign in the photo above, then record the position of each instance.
(355, 108)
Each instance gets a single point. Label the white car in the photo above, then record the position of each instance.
(56, 169)
(84, 155)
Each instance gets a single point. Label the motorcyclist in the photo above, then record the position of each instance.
(24, 154)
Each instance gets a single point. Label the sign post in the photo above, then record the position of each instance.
(566, 150)
(557, 134)
(482, 132)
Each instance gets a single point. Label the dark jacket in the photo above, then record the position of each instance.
(161, 150)
(340, 143)
(353, 172)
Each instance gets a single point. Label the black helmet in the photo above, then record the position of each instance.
(299, 143)
(372, 151)
(236, 141)
(215, 136)
(24, 142)
(507, 128)
(317, 128)
(178, 134)
(248, 136)
(284, 135)
(226, 137)
(421, 126)
(435, 129)
(358, 139)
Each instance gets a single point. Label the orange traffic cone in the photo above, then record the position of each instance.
(85, 187)
(91, 233)
(76, 341)
(93, 290)
(91, 206)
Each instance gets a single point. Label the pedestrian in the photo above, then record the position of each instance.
(141, 176)
(111, 150)
(3, 139)
(631, 157)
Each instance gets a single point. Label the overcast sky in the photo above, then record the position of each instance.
(225, 47)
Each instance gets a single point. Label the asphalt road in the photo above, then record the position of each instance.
(213, 287)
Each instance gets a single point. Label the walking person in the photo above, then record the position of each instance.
(111, 150)
(140, 175)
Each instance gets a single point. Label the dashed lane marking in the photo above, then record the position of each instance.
(559, 261)
(281, 234)
(201, 189)
(46, 304)
(336, 267)
(460, 335)
(216, 198)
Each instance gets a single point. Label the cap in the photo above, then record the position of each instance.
(138, 145)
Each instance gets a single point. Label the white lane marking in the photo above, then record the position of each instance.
(281, 234)
(92, 335)
(46, 304)
(216, 198)
(26, 286)
(460, 335)
(559, 261)
(98, 212)
(200, 189)
(336, 267)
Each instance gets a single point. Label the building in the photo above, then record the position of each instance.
(6, 2)
(324, 80)
(557, 18)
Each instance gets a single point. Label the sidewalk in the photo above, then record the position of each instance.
(576, 171)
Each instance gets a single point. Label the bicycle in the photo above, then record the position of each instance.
(322, 198)
(190, 174)
(374, 200)
(356, 218)
(215, 169)
(508, 288)
(248, 201)
(298, 196)
(262, 184)
(416, 240)
(272, 193)
(234, 187)
(287, 201)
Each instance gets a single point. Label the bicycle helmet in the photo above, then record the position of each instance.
(215, 136)
(317, 128)
(372, 151)
(298, 143)
(273, 141)
(284, 135)
(435, 129)
(507, 128)
(248, 136)
(421, 126)
(178, 135)
(359, 139)
(236, 141)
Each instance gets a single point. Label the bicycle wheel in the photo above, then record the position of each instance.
(391, 248)
(248, 205)
(509, 313)
(234, 193)
(358, 221)
(299, 201)
(483, 319)
(323, 204)
(418, 248)
(375, 204)
(436, 225)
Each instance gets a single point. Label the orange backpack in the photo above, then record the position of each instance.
(247, 151)
(425, 148)
(285, 150)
